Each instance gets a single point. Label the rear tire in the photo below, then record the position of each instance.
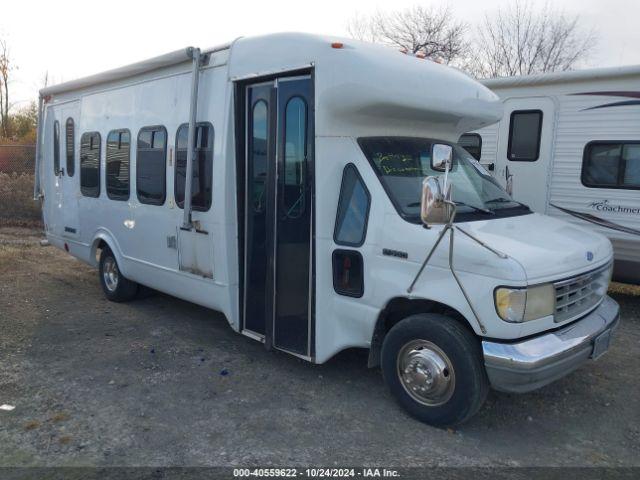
(116, 287)
(433, 367)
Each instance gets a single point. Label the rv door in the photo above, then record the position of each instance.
(525, 148)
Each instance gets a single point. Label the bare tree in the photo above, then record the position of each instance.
(519, 40)
(428, 32)
(6, 67)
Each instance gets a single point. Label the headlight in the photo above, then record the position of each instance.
(524, 304)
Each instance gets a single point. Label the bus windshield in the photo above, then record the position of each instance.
(402, 163)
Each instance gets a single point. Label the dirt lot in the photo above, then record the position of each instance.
(162, 382)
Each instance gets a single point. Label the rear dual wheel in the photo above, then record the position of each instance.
(433, 367)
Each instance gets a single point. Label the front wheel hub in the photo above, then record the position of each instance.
(426, 373)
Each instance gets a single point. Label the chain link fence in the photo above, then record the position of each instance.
(17, 207)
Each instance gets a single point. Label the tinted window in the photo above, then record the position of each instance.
(472, 143)
(90, 164)
(524, 135)
(70, 139)
(295, 157)
(611, 165)
(259, 155)
(118, 156)
(202, 166)
(56, 148)
(353, 209)
(150, 165)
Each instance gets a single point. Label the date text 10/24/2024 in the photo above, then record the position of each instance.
(316, 472)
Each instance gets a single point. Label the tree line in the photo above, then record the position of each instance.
(515, 40)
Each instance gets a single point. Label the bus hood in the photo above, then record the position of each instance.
(547, 248)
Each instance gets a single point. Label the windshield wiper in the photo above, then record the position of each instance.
(477, 209)
(505, 200)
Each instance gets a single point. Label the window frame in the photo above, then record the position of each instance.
(620, 172)
(120, 198)
(479, 144)
(70, 153)
(351, 165)
(164, 156)
(175, 166)
(56, 148)
(539, 138)
(92, 133)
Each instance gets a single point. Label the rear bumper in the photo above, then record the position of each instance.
(529, 364)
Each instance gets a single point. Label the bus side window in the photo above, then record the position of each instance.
(353, 209)
(151, 171)
(90, 164)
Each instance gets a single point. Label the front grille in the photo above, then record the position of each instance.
(577, 295)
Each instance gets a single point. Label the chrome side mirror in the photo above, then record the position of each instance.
(435, 206)
(441, 157)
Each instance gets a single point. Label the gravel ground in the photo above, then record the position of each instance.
(162, 382)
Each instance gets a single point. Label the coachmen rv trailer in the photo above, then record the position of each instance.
(570, 145)
(327, 207)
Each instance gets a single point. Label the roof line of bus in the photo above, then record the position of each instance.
(145, 66)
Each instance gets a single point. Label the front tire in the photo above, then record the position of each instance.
(116, 287)
(433, 367)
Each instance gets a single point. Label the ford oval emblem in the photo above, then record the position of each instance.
(589, 256)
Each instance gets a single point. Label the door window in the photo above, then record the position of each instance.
(202, 166)
(353, 209)
(295, 157)
(56, 148)
(472, 143)
(259, 154)
(70, 139)
(525, 128)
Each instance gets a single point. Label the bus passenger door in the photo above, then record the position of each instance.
(278, 213)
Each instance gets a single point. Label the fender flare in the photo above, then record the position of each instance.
(105, 236)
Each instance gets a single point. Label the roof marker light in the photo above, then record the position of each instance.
(337, 45)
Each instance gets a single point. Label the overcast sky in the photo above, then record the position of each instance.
(74, 38)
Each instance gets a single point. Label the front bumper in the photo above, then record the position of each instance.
(529, 364)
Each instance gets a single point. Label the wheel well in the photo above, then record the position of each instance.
(400, 308)
(98, 246)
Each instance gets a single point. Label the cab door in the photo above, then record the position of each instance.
(525, 149)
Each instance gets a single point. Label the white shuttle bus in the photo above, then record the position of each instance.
(329, 207)
(569, 143)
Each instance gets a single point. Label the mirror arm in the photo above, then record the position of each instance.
(435, 245)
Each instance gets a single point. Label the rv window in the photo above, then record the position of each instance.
(202, 166)
(56, 148)
(70, 139)
(118, 156)
(295, 157)
(151, 173)
(472, 143)
(611, 165)
(525, 128)
(353, 209)
(90, 164)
